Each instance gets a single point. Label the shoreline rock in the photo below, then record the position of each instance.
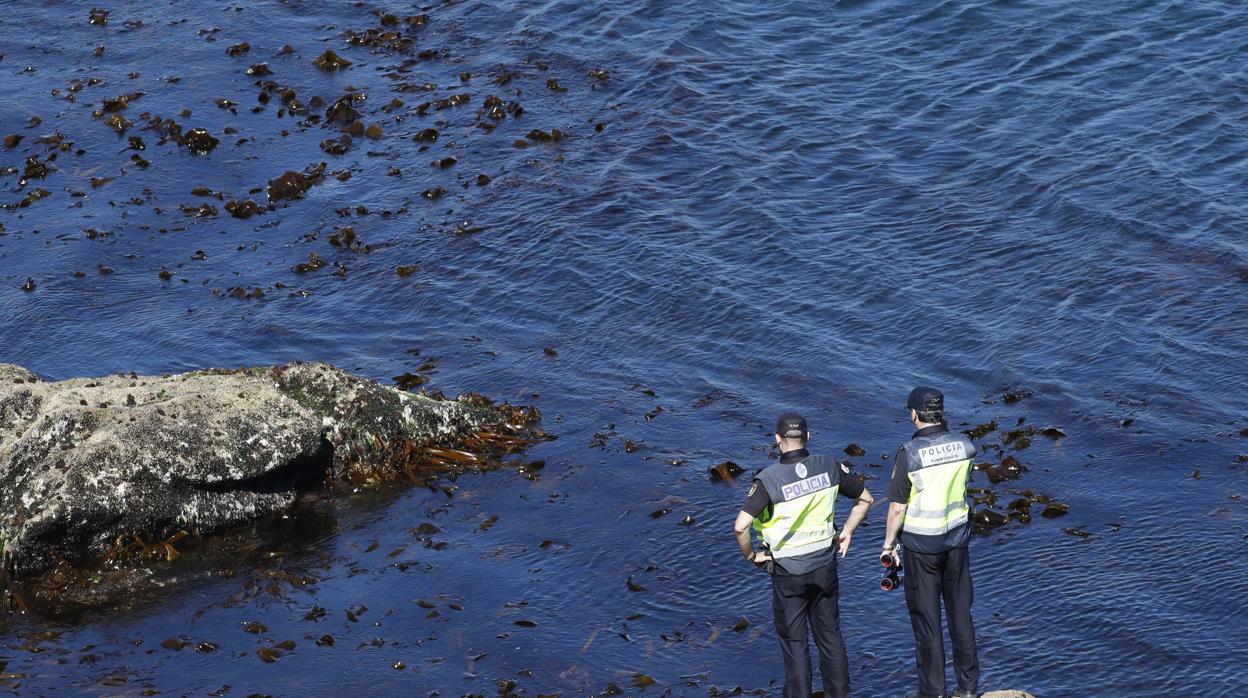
(87, 462)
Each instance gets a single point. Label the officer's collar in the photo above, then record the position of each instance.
(795, 456)
(931, 430)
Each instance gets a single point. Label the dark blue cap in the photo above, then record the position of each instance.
(925, 399)
(791, 425)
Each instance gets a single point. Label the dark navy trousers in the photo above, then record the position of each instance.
(931, 579)
(795, 601)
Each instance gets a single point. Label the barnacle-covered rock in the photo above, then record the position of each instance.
(88, 460)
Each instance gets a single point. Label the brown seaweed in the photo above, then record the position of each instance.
(331, 61)
(200, 142)
(243, 209)
(314, 262)
(725, 472)
(293, 185)
(342, 111)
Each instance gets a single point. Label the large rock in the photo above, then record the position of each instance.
(86, 461)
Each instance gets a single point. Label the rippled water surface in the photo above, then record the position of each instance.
(788, 204)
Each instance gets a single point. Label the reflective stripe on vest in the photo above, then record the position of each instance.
(939, 467)
(802, 517)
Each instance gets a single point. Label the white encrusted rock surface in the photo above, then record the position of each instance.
(85, 460)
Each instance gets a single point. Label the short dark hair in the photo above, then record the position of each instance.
(933, 417)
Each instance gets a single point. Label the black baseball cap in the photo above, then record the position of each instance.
(791, 425)
(925, 399)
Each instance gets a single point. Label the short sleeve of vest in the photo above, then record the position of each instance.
(757, 501)
(899, 487)
(851, 486)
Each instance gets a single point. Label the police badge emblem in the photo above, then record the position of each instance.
(801, 469)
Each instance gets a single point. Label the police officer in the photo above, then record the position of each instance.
(792, 505)
(930, 510)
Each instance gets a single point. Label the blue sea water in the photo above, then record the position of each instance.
(812, 205)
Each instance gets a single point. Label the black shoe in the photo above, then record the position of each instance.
(965, 694)
(920, 694)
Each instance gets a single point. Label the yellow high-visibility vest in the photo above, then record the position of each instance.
(801, 517)
(939, 466)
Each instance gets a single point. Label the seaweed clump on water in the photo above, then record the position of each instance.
(987, 517)
(331, 61)
(292, 185)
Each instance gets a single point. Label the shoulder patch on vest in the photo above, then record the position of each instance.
(940, 454)
(753, 489)
(844, 468)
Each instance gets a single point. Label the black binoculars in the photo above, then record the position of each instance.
(891, 579)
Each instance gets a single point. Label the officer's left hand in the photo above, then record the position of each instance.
(761, 559)
(842, 542)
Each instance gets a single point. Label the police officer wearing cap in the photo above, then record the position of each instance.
(792, 505)
(929, 509)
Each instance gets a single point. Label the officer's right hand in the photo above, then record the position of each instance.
(892, 552)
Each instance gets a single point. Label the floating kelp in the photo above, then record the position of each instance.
(243, 209)
(855, 451)
(118, 123)
(407, 381)
(986, 519)
(1010, 397)
(35, 169)
(200, 211)
(116, 104)
(725, 472)
(293, 185)
(1054, 509)
(342, 111)
(331, 61)
(337, 146)
(982, 430)
(238, 49)
(378, 38)
(314, 262)
(199, 141)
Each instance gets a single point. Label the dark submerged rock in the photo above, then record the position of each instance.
(86, 462)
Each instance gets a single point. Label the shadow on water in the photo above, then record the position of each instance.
(138, 576)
